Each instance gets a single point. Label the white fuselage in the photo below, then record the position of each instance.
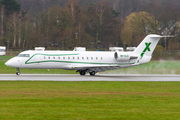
(71, 60)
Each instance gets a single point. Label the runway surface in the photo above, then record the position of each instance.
(98, 77)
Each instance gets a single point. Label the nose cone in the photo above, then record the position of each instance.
(8, 63)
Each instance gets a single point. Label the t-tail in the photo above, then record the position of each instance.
(146, 47)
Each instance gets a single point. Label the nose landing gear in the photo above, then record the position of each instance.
(18, 71)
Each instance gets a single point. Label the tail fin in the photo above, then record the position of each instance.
(147, 46)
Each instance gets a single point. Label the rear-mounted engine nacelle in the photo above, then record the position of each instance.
(121, 56)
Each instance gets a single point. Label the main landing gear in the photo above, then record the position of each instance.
(83, 72)
(92, 73)
(18, 71)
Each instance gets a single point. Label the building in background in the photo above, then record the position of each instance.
(2, 50)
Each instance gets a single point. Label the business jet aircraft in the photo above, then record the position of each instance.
(86, 61)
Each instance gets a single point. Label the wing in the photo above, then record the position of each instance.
(101, 68)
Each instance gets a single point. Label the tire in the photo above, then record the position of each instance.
(82, 72)
(18, 73)
(92, 73)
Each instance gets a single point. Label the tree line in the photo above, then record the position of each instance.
(95, 26)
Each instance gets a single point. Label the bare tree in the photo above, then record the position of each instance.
(15, 26)
(115, 4)
(19, 29)
(2, 20)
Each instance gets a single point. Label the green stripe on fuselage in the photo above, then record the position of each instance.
(27, 62)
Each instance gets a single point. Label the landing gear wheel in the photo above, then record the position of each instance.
(92, 73)
(82, 72)
(18, 71)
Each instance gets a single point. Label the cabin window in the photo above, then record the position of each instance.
(49, 58)
(77, 57)
(82, 57)
(87, 58)
(44, 57)
(54, 57)
(101, 58)
(91, 58)
(73, 57)
(68, 57)
(63, 57)
(96, 58)
(58, 57)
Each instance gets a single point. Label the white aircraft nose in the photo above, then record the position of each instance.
(7, 63)
(10, 63)
(13, 62)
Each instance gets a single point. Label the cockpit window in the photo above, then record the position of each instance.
(20, 55)
(23, 55)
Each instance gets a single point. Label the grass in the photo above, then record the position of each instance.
(5, 58)
(89, 100)
(153, 67)
(35, 100)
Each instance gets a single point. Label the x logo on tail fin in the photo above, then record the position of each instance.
(147, 48)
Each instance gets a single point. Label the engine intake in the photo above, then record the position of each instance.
(121, 56)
